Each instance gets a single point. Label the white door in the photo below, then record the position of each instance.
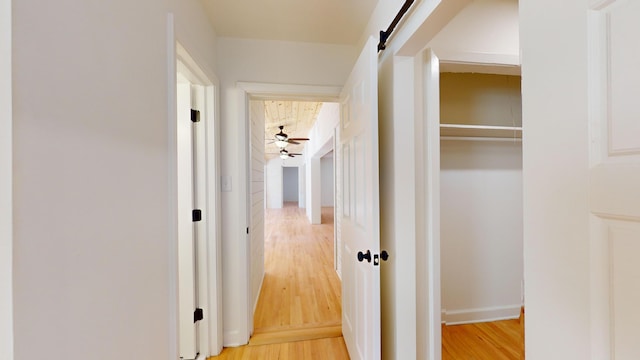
(187, 228)
(614, 178)
(581, 159)
(360, 217)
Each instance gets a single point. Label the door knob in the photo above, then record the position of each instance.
(362, 256)
(384, 255)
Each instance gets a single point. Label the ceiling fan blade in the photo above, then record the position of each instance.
(298, 139)
(294, 154)
(293, 142)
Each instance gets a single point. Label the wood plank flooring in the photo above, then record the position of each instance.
(301, 287)
(498, 340)
(299, 312)
(321, 349)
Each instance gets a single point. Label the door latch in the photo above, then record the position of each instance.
(384, 255)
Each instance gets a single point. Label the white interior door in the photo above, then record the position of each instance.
(614, 179)
(360, 217)
(187, 279)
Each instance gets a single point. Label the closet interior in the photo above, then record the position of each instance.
(481, 197)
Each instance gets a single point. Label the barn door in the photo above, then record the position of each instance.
(360, 210)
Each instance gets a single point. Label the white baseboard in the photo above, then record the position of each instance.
(469, 316)
(232, 339)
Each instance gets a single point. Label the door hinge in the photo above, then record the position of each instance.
(247, 230)
(196, 215)
(198, 315)
(195, 115)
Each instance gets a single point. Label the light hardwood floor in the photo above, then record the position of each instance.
(298, 315)
(301, 288)
(299, 312)
(498, 340)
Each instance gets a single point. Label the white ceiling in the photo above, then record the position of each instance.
(319, 21)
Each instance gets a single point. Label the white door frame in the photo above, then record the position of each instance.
(6, 179)
(260, 91)
(210, 279)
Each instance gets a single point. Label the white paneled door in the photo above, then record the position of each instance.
(360, 210)
(614, 178)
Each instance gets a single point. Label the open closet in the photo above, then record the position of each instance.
(480, 196)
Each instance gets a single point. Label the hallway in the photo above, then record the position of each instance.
(298, 315)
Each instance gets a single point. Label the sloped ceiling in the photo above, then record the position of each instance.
(318, 21)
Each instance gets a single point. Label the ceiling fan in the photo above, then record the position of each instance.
(284, 154)
(282, 139)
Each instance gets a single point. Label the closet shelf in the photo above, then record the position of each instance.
(488, 131)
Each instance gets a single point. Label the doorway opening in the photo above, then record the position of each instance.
(290, 195)
(300, 280)
(481, 215)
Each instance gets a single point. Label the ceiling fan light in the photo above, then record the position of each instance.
(284, 156)
(282, 144)
(281, 135)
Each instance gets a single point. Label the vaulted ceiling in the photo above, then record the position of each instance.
(319, 21)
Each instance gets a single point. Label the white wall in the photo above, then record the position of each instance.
(484, 31)
(556, 199)
(273, 181)
(326, 180)
(481, 230)
(322, 132)
(257, 189)
(313, 188)
(94, 251)
(6, 234)
(302, 186)
(320, 143)
(290, 184)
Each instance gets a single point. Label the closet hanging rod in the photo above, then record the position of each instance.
(480, 138)
(480, 127)
(384, 35)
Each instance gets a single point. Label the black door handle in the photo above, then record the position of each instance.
(384, 255)
(362, 256)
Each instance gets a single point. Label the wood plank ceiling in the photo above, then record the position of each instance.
(297, 117)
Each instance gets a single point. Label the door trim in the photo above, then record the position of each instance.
(6, 222)
(210, 283)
